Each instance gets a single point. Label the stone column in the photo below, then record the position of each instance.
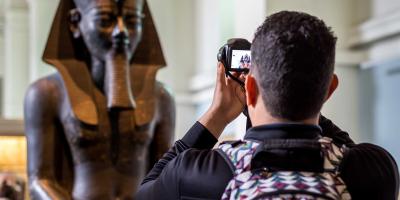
(2, 52)
(41, 14)
(217, 21)
(244, 27)
(175, 25)
(16, 58)
(253, 15)
(1, 38)
(207, 42)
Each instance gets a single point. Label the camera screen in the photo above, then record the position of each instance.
(241, 59)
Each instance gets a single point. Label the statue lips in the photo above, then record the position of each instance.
(120, 41)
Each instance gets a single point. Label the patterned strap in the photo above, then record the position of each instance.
(240, 154)
(333, 154)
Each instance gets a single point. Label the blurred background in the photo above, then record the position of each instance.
(366, 104)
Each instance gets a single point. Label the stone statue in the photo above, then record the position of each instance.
(96, 126)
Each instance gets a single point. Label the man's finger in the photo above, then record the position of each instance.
(242, 77)
(221, 74)
(236, 74)
(232, 83)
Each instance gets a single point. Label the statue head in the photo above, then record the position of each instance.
(108, 27)
(119, 33)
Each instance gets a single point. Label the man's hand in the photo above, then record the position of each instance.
(228, 102)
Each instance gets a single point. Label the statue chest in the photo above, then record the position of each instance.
(116, 139)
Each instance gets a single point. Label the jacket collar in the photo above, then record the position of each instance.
(283, 131)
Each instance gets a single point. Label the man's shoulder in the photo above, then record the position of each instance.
(205, 157)
(203, 173)
(374, 155)
(369, 171)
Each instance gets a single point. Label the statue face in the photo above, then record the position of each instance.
(110, 27)
(111, 30)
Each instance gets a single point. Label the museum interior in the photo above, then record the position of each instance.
(190, 32)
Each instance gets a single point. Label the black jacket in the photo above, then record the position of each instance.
(192, 170)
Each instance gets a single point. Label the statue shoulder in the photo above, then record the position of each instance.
(165, 114)
(165, 99)
(45, 92)
(164, 93)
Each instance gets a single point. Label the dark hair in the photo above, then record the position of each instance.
(293, 59)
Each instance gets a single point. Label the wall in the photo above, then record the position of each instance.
(381, 110)
(1, 38)
(2, 61)
(16, 63)
(383, 7)
(175, 21)
(41, 15)
(218, 23)
(379, 36)
(1, 48)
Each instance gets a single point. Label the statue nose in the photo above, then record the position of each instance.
(120, 32)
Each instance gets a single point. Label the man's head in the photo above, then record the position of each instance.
(293, 61)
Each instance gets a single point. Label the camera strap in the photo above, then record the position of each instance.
(229, 74)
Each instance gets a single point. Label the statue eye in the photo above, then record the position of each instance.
(105, 20)
(132, 21)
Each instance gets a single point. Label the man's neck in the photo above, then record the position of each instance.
(263, 118)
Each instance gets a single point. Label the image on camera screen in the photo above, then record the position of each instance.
(241, 59)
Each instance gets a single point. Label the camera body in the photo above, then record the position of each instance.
(235, 55)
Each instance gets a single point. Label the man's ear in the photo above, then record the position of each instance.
(74, 19)
(251, 91)
(332, 87)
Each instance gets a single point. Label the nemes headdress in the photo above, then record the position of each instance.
(85, 4)
(68, 57)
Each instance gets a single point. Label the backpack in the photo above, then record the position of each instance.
(265, 183)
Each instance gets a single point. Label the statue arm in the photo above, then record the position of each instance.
(165, 127)
(40, 114)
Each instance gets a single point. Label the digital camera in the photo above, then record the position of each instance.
(235, 55)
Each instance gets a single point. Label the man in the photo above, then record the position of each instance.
(290, 78)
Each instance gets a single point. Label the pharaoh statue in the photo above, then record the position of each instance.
(96, 125)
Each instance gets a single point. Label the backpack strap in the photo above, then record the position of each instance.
(333, 158)
(333, 154)
(238, 154)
